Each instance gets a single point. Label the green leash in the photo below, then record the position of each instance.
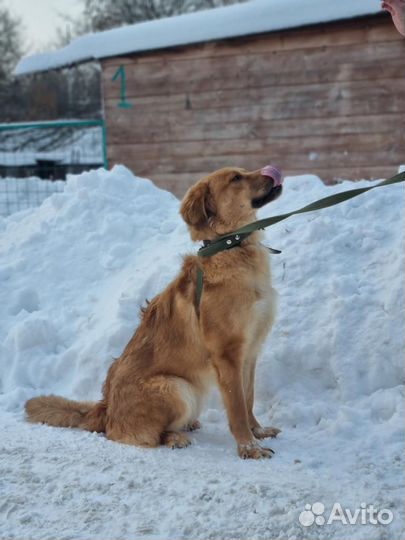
(234, 239)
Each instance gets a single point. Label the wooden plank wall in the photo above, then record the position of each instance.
(328, 100)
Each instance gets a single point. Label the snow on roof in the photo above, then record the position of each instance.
(254, 17)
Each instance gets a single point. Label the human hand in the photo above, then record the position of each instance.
(397, 10)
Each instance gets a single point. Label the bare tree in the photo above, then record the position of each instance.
(11, 48)
(104, 14)
(74, 92)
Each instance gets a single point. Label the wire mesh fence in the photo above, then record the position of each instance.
(21, 193)
(36, 157)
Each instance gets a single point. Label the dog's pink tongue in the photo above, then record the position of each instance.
(274, 173)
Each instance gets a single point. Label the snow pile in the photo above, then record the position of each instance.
(74, 273)
(21, 193)
(253, 17)
(84, 260)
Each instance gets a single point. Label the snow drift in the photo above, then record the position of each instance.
(74, 273)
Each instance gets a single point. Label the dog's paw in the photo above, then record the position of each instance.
(192, 426)
(254, 451)
(265, 432)
(175, 439)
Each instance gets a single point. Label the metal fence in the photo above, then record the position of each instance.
(35, 158)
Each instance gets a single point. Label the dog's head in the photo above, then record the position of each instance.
(227, 199)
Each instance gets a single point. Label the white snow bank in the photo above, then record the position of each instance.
(252, 17)
(74, 273)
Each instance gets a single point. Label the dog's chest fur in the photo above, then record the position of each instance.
(264, 307)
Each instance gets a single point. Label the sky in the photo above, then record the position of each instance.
(41, 18)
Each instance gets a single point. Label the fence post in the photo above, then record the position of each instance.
(105, 154)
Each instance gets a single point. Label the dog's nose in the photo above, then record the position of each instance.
(274, 173)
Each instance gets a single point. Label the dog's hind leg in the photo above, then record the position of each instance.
(193, 426)
(144, 439)
(153, 413)
(175, 439)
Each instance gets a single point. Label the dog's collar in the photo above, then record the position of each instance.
(229, 241)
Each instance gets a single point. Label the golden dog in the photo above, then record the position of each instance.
(155, 390)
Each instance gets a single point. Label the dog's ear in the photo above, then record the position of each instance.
(198, 206)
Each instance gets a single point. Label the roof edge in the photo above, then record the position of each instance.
(250, 18)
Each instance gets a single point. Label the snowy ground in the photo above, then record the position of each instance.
(74, 273)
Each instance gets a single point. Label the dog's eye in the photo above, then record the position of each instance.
(236, 178)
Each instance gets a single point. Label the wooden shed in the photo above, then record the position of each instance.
(313, 86)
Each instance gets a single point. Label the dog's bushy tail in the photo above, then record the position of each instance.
(60, 412)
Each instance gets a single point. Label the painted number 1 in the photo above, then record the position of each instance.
(120, 73)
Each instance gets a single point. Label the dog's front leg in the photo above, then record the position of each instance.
(249, 367)
(228, 366)
(248, 384)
